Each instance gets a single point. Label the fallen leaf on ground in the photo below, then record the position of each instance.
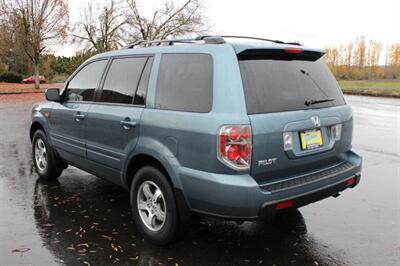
(47, 225)
(21, 250)
(107, 237)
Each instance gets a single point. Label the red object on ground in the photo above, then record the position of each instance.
(31, 79)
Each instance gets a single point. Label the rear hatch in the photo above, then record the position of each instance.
(300, 121)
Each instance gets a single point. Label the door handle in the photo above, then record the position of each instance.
(127, 124)
(78, 116)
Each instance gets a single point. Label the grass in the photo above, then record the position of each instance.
(385, 88)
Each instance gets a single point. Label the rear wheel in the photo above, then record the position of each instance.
(153, 206)
(47, 165)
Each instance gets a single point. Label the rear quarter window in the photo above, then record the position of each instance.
(185, 83)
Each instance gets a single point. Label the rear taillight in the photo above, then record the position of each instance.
(234, 146)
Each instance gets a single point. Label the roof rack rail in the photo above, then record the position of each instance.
(207, 39)
(247, 37)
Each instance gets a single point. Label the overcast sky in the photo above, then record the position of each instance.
(316, 23)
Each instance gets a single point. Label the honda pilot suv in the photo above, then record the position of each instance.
(236, 130)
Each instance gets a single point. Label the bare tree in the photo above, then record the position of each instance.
(100, 32)
(360, 52)
(39, 23)
(373, 56)
(171, 20)
(12, 52)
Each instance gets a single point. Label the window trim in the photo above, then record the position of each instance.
(212, 82)
(64, 92)
(103, 79)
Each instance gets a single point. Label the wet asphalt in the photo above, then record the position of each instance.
(84, 220)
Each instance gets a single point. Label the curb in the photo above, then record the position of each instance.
(20, 92)
(371, 95)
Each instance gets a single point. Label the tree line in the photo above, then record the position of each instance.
(362, 59)
(31, 29)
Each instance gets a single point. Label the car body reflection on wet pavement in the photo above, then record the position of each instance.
(82, 218)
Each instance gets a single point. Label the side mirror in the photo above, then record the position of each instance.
(53, 95)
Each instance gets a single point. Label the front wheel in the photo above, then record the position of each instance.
(47, 165)
(153, 206)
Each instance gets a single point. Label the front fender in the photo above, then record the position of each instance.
(38, 119)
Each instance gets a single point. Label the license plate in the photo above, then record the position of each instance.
(311, 139)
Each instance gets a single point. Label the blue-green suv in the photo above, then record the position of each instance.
(202, 126)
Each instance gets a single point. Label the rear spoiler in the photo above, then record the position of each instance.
(285, 54)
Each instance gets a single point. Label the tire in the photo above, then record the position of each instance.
(156, 230)
(47, 165)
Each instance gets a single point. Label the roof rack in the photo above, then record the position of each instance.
(207, 39)
(247, 37)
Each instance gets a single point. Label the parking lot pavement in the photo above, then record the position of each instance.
(82, 219)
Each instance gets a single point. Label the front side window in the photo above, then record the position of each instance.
(185, 83)
(82, 86)
(122, 80)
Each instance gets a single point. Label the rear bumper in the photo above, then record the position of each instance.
(269, 208)
(240, 197)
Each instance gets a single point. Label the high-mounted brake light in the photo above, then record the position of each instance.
(293, 50)
(234, 146)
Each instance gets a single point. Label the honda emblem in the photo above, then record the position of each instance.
(316, 121)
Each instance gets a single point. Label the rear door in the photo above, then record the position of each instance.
(291, 133)
(113, 122)
(68, 119)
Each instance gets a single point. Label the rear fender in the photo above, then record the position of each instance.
(156, 149)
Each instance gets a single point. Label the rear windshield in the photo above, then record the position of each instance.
(285, 85)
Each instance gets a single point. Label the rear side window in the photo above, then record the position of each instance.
(285, 85)
(185, 83)
(122, 80)
(82, 86)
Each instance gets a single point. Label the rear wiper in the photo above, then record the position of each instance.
(311, 102)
